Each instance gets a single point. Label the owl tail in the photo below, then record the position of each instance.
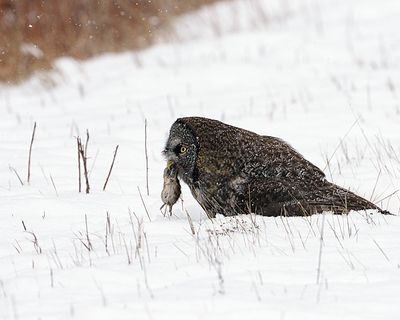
(341, 200)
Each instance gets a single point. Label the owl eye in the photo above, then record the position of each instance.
(183, 150)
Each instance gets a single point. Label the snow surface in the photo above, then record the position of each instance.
(323, 75)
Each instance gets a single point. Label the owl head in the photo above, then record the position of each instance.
(181, 150)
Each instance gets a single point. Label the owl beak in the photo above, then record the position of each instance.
(170, 164)
(172, 168)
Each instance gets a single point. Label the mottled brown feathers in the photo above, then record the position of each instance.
(234, 171)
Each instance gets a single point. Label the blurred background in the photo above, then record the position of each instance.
(33, 33)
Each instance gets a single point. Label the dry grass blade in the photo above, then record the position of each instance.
(82, 156)
(54, 185)
(381, 250)
(89, 243)
(112, 165)
(30, 153)
(16, 173)
(144, 205)
(339, 145)
(146, 157)
(78, 141)
(321, 242)
(190, 223)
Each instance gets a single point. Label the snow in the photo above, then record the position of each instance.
(323, 75)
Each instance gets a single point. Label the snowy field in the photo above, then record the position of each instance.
(323, 75)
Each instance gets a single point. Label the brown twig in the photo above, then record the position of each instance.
(84, 158)
(30, 153)
(112, 165)
(82, 155)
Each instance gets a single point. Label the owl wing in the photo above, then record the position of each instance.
(282, 181)
(272, 157)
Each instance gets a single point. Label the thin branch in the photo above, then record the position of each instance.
(84, 157)
(112, 165)
(30, 153)
(82, 150)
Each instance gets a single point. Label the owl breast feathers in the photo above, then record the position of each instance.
(234, 171)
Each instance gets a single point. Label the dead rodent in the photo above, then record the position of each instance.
(171, 187)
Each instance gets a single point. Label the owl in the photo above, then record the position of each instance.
(233, 171)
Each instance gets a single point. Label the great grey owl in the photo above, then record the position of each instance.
(234, 171)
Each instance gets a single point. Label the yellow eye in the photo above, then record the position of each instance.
(183, 150)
